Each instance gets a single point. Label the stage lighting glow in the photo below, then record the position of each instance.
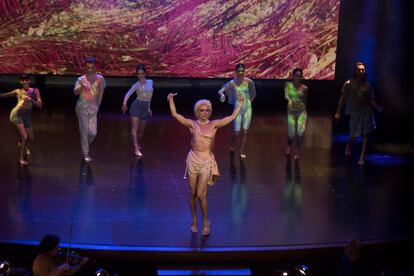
(176, 38)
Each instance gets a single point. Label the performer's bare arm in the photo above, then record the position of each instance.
(181, 119)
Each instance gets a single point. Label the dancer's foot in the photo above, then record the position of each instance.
(206, 228)
(361, 162)
(297, 156)
(347, 151)
(138, 153)
(243, 156)
(288, 152)
(194, 227)
(23, 162)
(87, 158)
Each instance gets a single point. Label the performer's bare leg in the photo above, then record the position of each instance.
(135, 124)
(363, 150)
(348, 146)
(202, 199)
(242, 154)
(192, 182)
(21, 132)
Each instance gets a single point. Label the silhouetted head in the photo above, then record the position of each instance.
(49, 245)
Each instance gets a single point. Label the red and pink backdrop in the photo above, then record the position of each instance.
(174, 38)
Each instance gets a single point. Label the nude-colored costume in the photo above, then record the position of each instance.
(205, 168)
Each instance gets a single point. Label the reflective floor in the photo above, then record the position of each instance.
(268, 200)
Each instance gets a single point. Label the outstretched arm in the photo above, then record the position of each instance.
(227, 120)
(181, 119)
(8, 94)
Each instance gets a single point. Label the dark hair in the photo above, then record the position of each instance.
(48, 242)
(141, 67)
(24, 77)
(297, 70)
(354, 74)
(240, 66)
(89, 60)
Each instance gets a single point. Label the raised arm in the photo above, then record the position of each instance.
(223, 91)
(8, 94)
(227, 120)
(181, 119)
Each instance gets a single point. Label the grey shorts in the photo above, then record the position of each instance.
(139, 109)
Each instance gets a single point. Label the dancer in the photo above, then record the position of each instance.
(359, 97)
(90, 89)
(296, 94)
(20, 116)
(141, 108)
(245, 87)
(201, 166)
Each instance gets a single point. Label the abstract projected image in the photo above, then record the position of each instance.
(173, 38)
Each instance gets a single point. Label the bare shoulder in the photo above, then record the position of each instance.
(249, 80)
(40, 259)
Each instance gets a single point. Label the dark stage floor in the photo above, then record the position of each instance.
(266, 202)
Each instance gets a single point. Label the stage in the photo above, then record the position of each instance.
(268, 202)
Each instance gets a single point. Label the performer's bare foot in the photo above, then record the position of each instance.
(361, 161)
(288, 151)
(138, 153)
(87, 158)
(347, 151)
(297, 156)
(23, 162)
(206, 228)
(243, 156)
(194, 226)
